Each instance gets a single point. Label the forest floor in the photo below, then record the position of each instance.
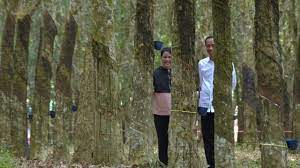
(245, 158)
(251, 158)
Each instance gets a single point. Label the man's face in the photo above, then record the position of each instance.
(209, 44)
(166, 60)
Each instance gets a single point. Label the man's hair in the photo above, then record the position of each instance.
(165, 49)
(208, 37)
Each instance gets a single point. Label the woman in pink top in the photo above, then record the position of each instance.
(162, 103)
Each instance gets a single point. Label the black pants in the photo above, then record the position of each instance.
(162, 126)
(207, 127)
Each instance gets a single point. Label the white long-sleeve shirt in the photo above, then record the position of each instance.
(206, 69)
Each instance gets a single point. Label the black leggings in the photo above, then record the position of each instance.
(162, 126)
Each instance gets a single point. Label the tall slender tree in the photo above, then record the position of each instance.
(224, 149)
(20, 82)
(297, 77)
(84, 144)
(297, 91)
(184, 86)
(40, 125)
(6, 75)
(140, 136)
(63, 127)
(243, 57)
(107, 123)
(124, 55)
(288, 36)
(270, 82)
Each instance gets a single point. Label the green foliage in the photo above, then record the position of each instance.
(6, 158)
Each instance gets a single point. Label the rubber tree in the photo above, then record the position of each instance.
(84, 144)
(224, 142)
(140, 138)
(7, 71)
(63, 124)
(288, 34)
(297, 78)
(297, 91)
(43, 74)
(107, 123)
(270, 82)
(244, 59)
(124, 56)
(184, 146)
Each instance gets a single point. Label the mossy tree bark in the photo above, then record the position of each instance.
(250, 106)
(243, 57)
(64, 124)
(183, 70)
(6, 77)
(124, 57)
(97, 122)
(40, 125)
(84, 144)
(20, 83)
(297, 91)
(297, 78)
(184, 146)
(203, 27)
(84, 148)
(270, 82)
(140, 138)
(288, 36)
(107, 122)
(224, 149)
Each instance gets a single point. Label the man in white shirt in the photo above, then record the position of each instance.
(206, 110)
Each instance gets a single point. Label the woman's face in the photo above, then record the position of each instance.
(166, 60)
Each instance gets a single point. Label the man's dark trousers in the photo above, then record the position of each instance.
(207, 127)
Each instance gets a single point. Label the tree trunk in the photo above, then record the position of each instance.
(224, 141)
(183, 145)
(250, 105)
(84, 149)
(183, 71)
(124, 56)
(270, 82)
(243, 56)
(107, 123)
(108, 126)
(273, 150)
(84, 144)
(140, 135)
(297, 72)
(40, 125)
(64, 125)
(19, 84)
(289, 42)
(297, 91)
(203, 28)
(6, 77)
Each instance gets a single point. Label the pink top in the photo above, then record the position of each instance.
(162, 104)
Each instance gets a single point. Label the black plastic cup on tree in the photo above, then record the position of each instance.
(74, 108)
(158, 45)
(52, 113)
(292, 144)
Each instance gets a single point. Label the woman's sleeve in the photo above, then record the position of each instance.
(154, 82)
